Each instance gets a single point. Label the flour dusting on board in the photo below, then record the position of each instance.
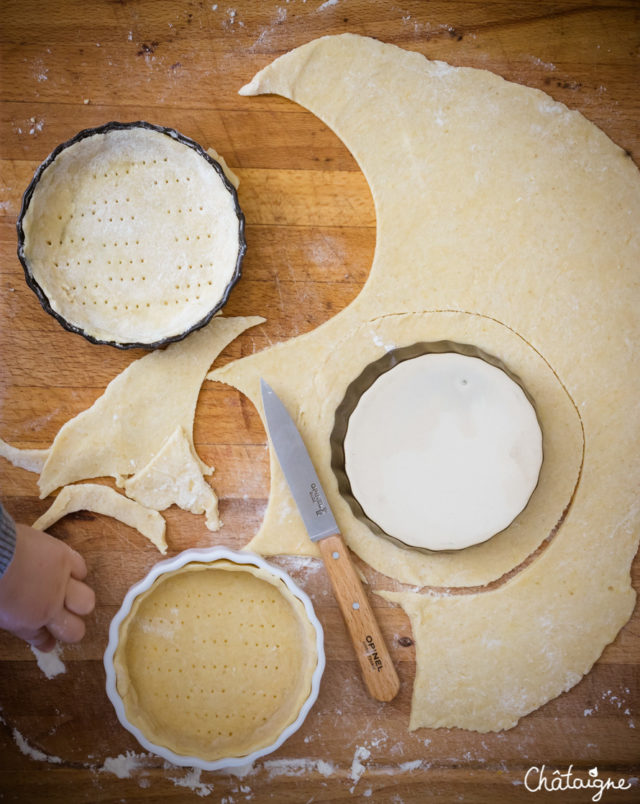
(40, 70)
(298, 767)
(241, 771)
(191, 780)
(35, 125)
(612, 699)
(50, 663)
(357, 766)
(546, 65)
(124, 765)
(34, 753)
(267, 32)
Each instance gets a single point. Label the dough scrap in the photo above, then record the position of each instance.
(247, 649)
(173, 244)
(30, 459)
(173, 476)
(104, 500)
(139, 410)
(504, 216)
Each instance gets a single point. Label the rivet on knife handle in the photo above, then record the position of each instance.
(377, 668)
(378, 672)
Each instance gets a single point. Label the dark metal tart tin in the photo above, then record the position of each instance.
(362, 383)
(105, 129)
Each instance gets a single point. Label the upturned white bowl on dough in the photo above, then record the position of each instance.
(206, 556)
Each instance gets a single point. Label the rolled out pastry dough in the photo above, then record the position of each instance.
(104, 500)
(215, 660)
(139, 410)
(509, 222)
(173, 476)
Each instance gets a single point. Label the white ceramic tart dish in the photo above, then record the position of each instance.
(214, 659)
(131, 234)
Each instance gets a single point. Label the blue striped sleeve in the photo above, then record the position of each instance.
(7, 539)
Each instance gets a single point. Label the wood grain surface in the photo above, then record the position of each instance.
(72, 64)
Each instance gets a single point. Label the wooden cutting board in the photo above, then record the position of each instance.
(311, 236)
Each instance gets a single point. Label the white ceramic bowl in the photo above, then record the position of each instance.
(170, 565)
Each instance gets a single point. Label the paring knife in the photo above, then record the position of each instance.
(378, 671)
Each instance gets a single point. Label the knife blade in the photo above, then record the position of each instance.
(377, 668)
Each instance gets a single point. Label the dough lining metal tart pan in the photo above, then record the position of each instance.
(214, 659)
(131, 235)
(354, 393)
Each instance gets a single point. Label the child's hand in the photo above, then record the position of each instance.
(42, 597)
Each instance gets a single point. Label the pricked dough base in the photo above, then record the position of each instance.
(215, 660)
(508, 222)
(132, 235)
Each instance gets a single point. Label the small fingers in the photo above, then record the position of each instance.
(79, 598)
(78, 565)
(66, 626)
(42, 639)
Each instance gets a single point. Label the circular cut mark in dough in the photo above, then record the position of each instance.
(443, 450)
(562, 434)
(215, 660)
(131, 235)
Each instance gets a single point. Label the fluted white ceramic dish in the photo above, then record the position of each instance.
(209, 555)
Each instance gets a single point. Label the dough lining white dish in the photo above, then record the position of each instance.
(215, 660)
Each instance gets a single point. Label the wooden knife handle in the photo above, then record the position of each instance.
(378, 671)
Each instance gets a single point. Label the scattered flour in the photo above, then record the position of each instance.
(327, 4)
(410, 766)
(35, 125)
(241, 771)
(357, 768)
(231, 19)
(40, 72)
(379, 341)
(124, 764)
(192, 781)
(325, 768)
(50, 663)
(268, 31)
(33, 753)
(377, 737)
(547, 65)
(297, 767)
